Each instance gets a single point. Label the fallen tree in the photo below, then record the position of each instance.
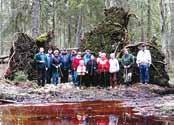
(111, 35)
(21, 57)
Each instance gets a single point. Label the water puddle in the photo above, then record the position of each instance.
(84, 113)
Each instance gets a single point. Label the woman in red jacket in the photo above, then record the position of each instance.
(103, 70)
(75, 64)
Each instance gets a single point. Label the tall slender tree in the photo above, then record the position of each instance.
(171, 43)
(35, 18)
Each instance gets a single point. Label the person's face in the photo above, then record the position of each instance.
(126, 51)
(143, 48)
(92, 57)
(41, 50)
(50, 51)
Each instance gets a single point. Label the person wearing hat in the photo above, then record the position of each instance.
(56, 71)
(75, 64)
(66, 65)
(144, 61)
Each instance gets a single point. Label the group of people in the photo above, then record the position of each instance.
(86, 69)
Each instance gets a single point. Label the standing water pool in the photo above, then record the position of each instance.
(82, 113)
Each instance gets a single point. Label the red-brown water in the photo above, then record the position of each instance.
(85, 113)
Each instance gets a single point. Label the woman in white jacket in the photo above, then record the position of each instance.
(113, 69)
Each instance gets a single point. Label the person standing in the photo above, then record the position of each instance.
(113, 69)
(103, 69)
(56, 71)
(127, 62)
(87, 56)
(81, 72)
(66, 64)
(49, 65)
(75, 64)
(41, 62)
(92, 71)
(144, 61)
(72, 56)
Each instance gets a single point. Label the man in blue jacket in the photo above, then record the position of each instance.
(41, 61)
(66, 65)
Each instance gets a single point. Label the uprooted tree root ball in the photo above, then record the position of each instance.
(22, 56)
(111, 35)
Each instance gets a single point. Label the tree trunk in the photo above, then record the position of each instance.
(78, 31)
(164, 9)
(149, 21)
(69, 30)
(142, 24)
(1, 21)
(35, 18)
(171, 43)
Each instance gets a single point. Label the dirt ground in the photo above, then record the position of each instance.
(147, 99)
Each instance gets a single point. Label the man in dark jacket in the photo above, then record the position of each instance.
(49, 65)
(41, 61)
(66, 65)
(92, 71)
(56, 67)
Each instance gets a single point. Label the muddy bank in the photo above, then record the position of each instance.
(142, 97)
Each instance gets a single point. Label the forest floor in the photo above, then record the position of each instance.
(147, 99)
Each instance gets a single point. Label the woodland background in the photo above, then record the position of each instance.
(70, 19)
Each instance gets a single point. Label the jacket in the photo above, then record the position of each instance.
(127, 60)
(56, 63)
(114, 65)
(144, 57)
(81, 70)
(91, 67)
(103, 66)
(41, 60)
(86, 58)
(65, 61)
(75, 63)
(49, 60)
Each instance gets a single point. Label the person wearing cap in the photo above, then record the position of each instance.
(41, 65)
(87, 56)
(66, 65)
(113, 69)
(144, 61)
(75, 64)
(49, 65)
(127, 62)
(103, 70)
(91, 71)
(56, 71)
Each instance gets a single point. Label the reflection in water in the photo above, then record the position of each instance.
(85, 113)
